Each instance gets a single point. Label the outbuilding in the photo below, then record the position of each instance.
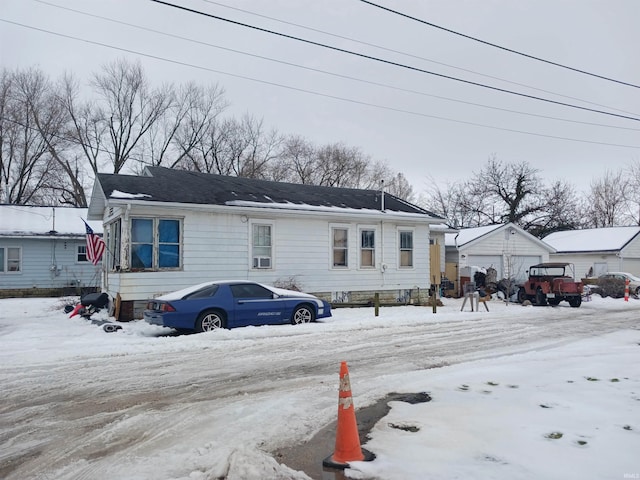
(507, 248)
(595, 251)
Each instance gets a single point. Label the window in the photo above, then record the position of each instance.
(250, 290)
(406, 249)
(113, 244)
(10, 260)
(261, 244)
(82, 254)
(367, 248)
(340, 247)
(155, 243)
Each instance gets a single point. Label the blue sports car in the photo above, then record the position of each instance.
(213, 305)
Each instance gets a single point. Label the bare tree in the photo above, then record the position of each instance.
(129, 108)
(632, 215)
(176, 135)
(25, 158)
(608, 199)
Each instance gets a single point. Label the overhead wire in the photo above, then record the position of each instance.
(311, 92)
(410, 55)
(389, 62)
(334, 74)
(475, 39)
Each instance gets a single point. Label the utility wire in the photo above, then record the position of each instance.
(389, 62)
(469, 37)
(418, 57)
(338, 75)
(310, 92)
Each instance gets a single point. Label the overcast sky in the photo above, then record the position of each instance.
(421, 124)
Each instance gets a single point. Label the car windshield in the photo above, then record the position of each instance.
(547, 271)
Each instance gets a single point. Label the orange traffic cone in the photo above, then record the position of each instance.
(347, 438)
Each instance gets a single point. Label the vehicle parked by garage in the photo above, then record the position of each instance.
(551, 283)
(212, 305)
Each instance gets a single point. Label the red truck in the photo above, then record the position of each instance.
(551, 283)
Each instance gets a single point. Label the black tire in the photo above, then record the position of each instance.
(522, 295)
(575, 302)
(541, 298)
(303, 314)
(210, 320)
(554, 301)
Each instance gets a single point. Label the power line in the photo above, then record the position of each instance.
(532, 57)
(338, 75)
(389, 62)
(418, 57)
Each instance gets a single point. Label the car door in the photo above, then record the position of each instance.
(256, 305)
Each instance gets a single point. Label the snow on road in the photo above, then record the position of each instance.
(140, 404)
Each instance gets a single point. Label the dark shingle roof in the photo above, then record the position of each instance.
(181, 186)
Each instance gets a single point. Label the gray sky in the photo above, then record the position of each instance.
(419, 134)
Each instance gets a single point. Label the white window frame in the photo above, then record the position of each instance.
(5, 264)
(362, 249)
(260, 259)
(400, 249)
(82, 247)
(332, 247)
(155, 245)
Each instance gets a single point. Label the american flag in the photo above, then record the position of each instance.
(95, 245)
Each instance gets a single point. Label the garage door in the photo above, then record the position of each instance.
(521, 263)
(487, 261)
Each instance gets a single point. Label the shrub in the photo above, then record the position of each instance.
(610, 287)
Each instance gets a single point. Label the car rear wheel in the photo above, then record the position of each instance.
(575, 301)
(303, 314)
(554, 301)
(522, 295)
(210, 320)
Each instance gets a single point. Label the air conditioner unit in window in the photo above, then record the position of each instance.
(261, 262)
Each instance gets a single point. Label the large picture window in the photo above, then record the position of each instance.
(261, 246)
(406, 249)
(10, 260)
(367, 248)
(155, 243)
(340, 247)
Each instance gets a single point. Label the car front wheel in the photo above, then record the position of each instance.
(210, 320)
(303, 314)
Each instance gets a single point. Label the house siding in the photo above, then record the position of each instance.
(49, 263)
(584, 262)
(217, 246)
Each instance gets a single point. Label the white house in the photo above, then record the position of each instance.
(43, 251)
(505, 247)
(595, 251)
(168, 229)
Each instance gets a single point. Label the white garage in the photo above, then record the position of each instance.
(505, 247)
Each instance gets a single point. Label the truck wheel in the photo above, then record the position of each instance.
(522, 295)
(554, 301)
(541, 298)
(575, 302)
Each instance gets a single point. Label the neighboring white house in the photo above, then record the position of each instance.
(168, 229)
(595, 251)
(44, 248)
(505, 247)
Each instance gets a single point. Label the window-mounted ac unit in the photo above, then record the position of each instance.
(261, 262)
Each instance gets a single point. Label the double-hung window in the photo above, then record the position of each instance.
(261, 246)
(10, 260)
(406, 248)
(367, 248)
(155, 243)
(340, 239)
(81, 255)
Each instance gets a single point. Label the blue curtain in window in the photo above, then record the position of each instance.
(168, 243)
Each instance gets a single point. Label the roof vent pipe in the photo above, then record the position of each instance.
(382, 195)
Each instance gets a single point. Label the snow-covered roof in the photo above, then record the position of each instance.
(467, 235)
(23, 220)
(610, 239)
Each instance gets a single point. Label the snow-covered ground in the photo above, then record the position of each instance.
(518, 393)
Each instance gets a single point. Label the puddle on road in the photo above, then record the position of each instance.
(308, 456)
